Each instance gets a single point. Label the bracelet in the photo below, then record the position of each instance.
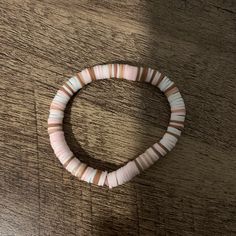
(143, 161)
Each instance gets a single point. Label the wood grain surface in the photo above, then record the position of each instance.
(192, 191)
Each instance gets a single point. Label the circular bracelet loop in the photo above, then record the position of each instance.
(143, 161)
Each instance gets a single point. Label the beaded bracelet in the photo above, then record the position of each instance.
(143, 161)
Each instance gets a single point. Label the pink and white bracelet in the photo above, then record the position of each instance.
(143, 161)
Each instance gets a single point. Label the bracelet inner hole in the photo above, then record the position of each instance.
(109, 122)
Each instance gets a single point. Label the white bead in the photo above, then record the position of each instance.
(174, 130)
(105, 71)
(151, 154)
(149, 75)
(75, 83)
(102, 178)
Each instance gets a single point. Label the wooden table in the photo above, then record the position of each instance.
(192, 191)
